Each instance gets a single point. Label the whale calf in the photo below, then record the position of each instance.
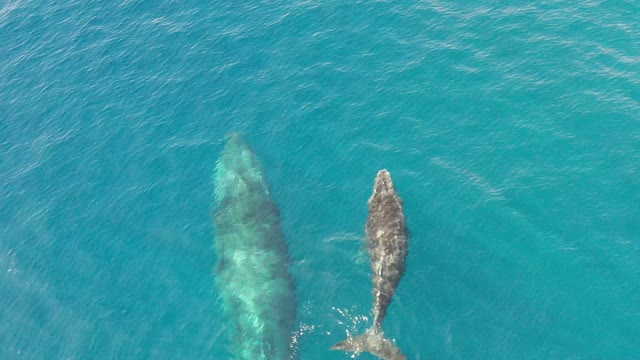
(386, 236)
(252, 277)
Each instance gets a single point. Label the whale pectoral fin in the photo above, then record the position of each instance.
(363, 256)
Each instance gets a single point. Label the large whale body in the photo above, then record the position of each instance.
(252, 276)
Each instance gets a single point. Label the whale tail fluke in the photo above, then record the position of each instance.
(372, 341)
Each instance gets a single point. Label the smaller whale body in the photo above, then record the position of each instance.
(386, 236)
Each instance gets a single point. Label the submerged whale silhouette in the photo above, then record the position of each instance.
(386, 235)
(252, 276)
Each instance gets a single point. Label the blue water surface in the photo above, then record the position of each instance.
(511, 129)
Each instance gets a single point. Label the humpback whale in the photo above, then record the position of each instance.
(255, 286)
(386, 236)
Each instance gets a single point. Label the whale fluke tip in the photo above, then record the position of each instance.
(373, 342)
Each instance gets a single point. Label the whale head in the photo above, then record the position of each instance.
(383, 183)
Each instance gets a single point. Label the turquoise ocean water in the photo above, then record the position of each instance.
(512, 131)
